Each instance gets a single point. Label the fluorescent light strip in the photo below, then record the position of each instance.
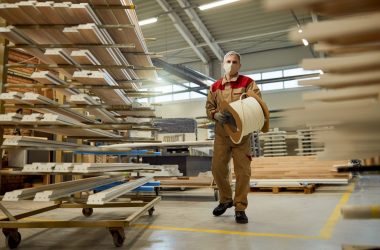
(148, 21)
(216, 4)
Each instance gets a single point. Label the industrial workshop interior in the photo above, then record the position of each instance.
(190, 124)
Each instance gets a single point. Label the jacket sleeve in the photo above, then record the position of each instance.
(211, 107)
(253, 86)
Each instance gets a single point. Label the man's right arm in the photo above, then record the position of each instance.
(211, 107)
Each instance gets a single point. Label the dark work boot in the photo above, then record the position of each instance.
(221, 208)
(240, 217)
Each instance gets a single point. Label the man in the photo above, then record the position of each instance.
(229, 88)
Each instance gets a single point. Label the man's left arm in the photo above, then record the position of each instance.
(253, 86)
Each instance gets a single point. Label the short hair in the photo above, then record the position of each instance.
(229, 53)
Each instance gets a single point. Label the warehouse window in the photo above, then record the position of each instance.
(272, 74)
(276, 79)
(181, 96)
(164, 89)
(272, 86)
(178, 88)
(162, 98)
(194, 95)
(255, 77)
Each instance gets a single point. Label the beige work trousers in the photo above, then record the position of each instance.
(224, 148)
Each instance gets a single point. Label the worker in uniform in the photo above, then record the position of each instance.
(230, 88)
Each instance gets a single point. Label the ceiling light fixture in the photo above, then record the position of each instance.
(215, 4)
(305, 42)
(148, 21)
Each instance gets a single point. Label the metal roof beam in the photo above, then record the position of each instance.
(202, 29)
(183, 30)
(183, 72)
(285, 31)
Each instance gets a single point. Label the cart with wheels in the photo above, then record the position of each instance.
(12, 223)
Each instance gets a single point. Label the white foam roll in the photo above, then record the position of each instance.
(250, 114)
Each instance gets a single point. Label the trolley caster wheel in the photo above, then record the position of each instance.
(151, 211)
(118, 236)
(87, 211)
(216, 195)
(13, 239)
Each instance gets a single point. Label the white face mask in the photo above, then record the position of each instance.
(227, 67)
(230, 68)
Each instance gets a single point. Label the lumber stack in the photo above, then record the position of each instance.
(296, 169)
(202, 180)
(165, 170)
(77, 49)
(349, 38)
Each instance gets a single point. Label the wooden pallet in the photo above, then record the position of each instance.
(309, 189)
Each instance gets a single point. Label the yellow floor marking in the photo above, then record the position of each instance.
(216, 231)
(375, 211)
(327, 230)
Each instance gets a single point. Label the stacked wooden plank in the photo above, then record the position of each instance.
(40, 143)
(28, 193)
(54, 194)
(80, 27)
(295, 171)
(47, 77)
(165, 170)
(100, 113)
(40, 167)
(349, 101)
(117, 191)
(186, 181)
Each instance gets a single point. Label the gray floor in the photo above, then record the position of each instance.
(183, 220)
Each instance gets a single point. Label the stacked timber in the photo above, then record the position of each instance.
(296, 169)
(164, 170)
(83, 48)
(202, 180)
(348, 99)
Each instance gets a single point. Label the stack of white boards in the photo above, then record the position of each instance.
(274, 143)
(53, 167)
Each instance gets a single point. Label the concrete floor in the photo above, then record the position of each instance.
(183, 220)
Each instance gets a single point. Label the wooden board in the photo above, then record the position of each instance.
(345, 64)
(324, 7)
(344, 80)
(294, 167)
(351, 30)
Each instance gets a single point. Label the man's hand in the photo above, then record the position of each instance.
(220, 117)
(224, 117)
(230, 119)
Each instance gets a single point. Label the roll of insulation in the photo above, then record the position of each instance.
(250, 114)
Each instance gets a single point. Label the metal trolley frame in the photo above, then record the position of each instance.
(11, 223)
